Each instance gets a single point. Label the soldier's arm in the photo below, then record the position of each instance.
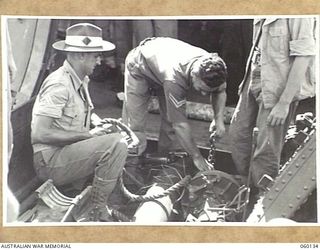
(43, 132)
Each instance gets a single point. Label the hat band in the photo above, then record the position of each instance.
(84, 41)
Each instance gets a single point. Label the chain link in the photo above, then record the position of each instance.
(212, 151)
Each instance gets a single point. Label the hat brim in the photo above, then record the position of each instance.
(105, 46)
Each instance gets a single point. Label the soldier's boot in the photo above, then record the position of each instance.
(95, 208)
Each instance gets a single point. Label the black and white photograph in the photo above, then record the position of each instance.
(186, 120)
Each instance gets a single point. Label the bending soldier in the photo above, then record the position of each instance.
(170, 67)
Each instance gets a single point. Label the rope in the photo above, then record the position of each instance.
(120, 216)
(183, 182)
(124, 127)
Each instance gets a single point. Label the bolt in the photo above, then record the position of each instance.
(290, 205)
(297, 165)
(283, 215)
(303, 157)
(277, 189)
(305, 188)
(313, 178)
(283, 181)
(289, 173)
(298, 197)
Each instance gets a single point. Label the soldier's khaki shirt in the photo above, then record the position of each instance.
(60, 98)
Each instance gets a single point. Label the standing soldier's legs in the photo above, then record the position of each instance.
(240, 131)
(165, 28)
(153, 28)
(266, 159)
(141, 30)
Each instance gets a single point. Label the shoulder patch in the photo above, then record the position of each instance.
(177, 103)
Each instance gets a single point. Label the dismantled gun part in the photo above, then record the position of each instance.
(296, 135)
(214, 196)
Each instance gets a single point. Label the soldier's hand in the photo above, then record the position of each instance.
(220, 130)
(218, 127)
(202, 164)
(278, 114)
(97, 131)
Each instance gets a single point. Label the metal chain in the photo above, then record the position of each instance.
(212, 151)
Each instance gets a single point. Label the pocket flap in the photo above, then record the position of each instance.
(277, 31)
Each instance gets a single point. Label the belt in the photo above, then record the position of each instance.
(256, 56)
(148, 39)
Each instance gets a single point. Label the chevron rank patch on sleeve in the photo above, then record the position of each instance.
(177, 103)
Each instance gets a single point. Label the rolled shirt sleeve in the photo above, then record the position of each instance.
(302, 34)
